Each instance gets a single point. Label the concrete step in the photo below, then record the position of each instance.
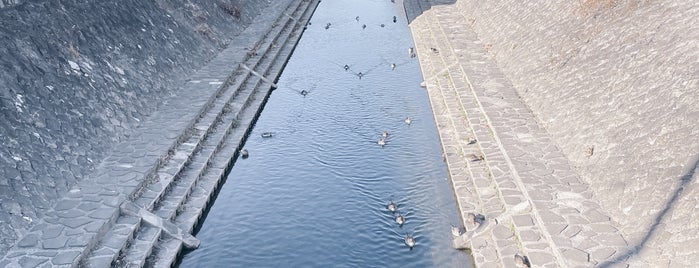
(198, 200)
(198, 164)
(235, 94)
(109, 248)
(141, 247)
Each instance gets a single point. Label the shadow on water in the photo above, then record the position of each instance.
(414, 8)
(669, 205)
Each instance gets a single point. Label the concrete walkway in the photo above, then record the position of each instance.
(502, 163)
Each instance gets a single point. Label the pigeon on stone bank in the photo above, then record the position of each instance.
(522, 261)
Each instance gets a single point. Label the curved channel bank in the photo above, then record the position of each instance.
(138, 207)
(584, 114)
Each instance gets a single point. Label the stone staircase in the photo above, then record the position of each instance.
(185, 182)
(503, 165)
(143, 201)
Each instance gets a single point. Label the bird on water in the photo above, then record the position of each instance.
(400, 220)
(409, 241)
(244, 153)
(392, 207)
(408, 121)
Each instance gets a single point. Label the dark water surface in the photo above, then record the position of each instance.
(315, 194)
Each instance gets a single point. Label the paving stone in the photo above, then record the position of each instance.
(45, 253)
(54, 243)
(502, 232)
(66, 204)
(28, 262)
(523, 220)
(75, 222)
(571, 231)
(51, 232)
(529, 236)
(66, 258)
(576, 255)
(537, 258)
(29, 240)
(603, 253)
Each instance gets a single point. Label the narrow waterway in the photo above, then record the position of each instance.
(315, 193)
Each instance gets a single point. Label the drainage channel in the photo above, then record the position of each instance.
(319, 173)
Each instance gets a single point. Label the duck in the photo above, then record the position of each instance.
(304, 92)
(363, 26)
(474, 219)
(392, 207)
(475, 158)
(395, 19)
(522, 261)
(400, 220)
(408, 121)
(411, 52)
(381, 142)
(384, 134)
(267, 134)
(346, 67)
(393, 66)
(244, 153)
(356, 18)
(456, 231)
(409, 241)
(383, 25)
(360, 74)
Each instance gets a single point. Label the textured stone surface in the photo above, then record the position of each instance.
(79, 76)
(614, 83)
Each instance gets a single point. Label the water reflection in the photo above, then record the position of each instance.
(315, 192)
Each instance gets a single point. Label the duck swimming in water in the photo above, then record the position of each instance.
(363, 26)
(244, 153)
(394, 19)
(409, 241)
(392, 207)
(408, 121)
(393, 66)
(346, 67)
(400, 220)
(384, 134)
(267, 134)
(304, 92)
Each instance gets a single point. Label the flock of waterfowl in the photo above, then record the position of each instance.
(400, 220)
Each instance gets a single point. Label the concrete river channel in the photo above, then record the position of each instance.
(315, 188)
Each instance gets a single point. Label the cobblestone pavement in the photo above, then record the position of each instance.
(502, 163)
(145, 198)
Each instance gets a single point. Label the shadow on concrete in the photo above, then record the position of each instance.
(684, 181)
(414, 8)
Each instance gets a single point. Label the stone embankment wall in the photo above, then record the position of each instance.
(77, 76)
(615, 82)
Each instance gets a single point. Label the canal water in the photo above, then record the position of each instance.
(315, 193)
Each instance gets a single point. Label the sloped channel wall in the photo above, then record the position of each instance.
(615, 84)
(77, 76)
